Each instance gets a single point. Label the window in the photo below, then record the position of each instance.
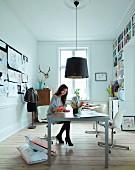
(73, 84)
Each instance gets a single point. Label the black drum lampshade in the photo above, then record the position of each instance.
(76, 68)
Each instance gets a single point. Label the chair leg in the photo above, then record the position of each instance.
(96, 130)
(93, 132)
(112, 145)
(94, 125)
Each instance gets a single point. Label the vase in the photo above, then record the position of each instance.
(40, 86)
(75, 111)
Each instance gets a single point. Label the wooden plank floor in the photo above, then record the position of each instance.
(84, 155)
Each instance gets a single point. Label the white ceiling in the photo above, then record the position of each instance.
(52, 20)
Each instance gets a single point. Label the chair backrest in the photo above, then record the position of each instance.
(101, 109)
(117, 121)
(42, 112)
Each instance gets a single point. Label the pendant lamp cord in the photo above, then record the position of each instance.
(76, 28)
(76, 4)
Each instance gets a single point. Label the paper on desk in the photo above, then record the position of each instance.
(91, 114)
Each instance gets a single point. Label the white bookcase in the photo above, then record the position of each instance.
(124, 72)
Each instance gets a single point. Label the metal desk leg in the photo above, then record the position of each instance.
(49, 142)
(106, 143)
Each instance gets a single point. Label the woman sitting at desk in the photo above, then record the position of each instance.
(58, 101)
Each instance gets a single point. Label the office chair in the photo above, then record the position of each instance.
(101, 109)
(113, 124)
(42, 117)
(42, 113)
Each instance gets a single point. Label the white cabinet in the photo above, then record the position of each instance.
(113, 107)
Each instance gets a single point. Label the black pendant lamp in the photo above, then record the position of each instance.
(76, 67)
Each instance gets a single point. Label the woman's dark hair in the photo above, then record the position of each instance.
(61, 88)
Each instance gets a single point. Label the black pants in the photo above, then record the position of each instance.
(31, 107)
(65, 126)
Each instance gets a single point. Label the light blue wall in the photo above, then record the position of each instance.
(13, 112)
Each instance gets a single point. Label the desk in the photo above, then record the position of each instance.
(68, 116)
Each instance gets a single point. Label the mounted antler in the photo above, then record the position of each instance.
(45, 74)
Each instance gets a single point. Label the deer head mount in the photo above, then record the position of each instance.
(45, 74)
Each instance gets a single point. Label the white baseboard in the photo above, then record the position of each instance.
(10, 130)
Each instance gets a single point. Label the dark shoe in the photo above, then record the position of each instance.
(59, 138)
(67, 140)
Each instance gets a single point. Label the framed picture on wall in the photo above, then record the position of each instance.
(102, 76)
